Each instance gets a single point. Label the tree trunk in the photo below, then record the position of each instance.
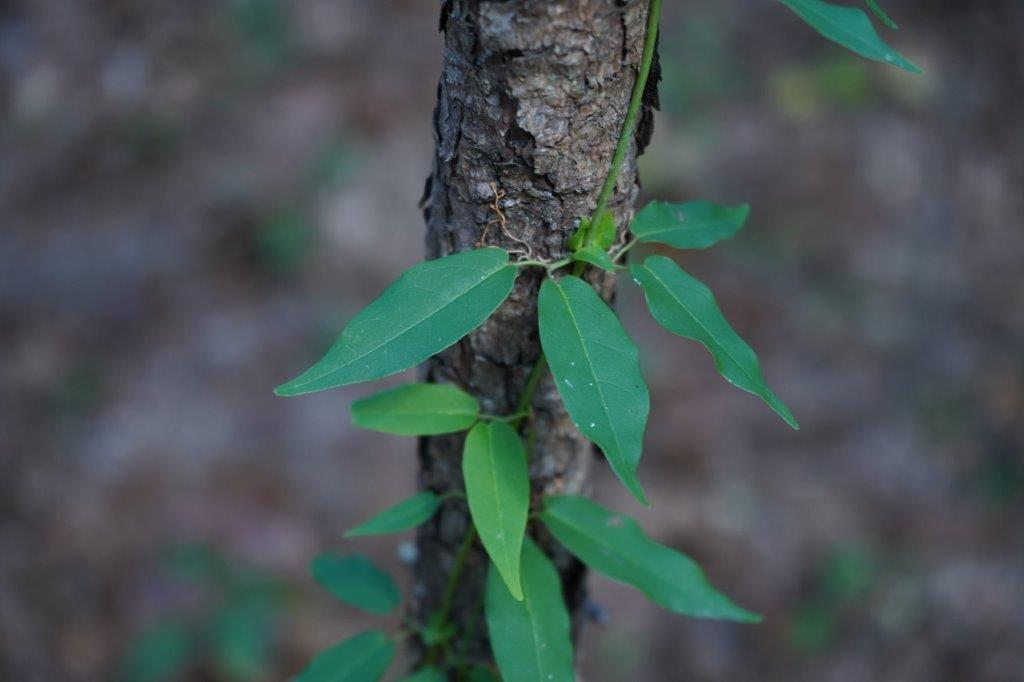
(530, 106)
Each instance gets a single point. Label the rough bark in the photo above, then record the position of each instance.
(530, 106)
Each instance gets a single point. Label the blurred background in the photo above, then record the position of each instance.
(195, 195)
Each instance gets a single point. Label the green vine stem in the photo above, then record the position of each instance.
(448, 600)
(629, 124)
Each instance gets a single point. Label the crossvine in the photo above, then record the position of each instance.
(595, 368)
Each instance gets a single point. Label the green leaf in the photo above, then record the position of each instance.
(239, 636)
(851, 28)
(530, 638)
(417, 410)
(498, 491)
(363, 658)
(356, 580)
(685, 306)
(693, 225)
(616, 546)
(426, 675)
(603, 231)
(403, 516)
(427, 309)
(595, 255)
(597, 373)
(880, 13)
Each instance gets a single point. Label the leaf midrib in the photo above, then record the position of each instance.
(425, 412)
(590, 366)
(498, 505)
(404, 331)
(689, 227)
(529, 604)
(401, 517)
(649, 573)
(700, 324)
(838, 28)
(357, 660)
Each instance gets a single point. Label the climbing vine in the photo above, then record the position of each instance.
(595, 368)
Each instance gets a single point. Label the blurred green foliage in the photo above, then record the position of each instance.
(699, 65)
(806, 91)
(283, 241)
(231, 637)
(265, 29)
(842, 579)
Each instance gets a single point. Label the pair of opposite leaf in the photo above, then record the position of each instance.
(592, 359)
(529, 631)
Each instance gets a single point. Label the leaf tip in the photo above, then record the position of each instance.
(284, 390)
(296, 386)
(639, 494)
(748, 617)
(744, 212)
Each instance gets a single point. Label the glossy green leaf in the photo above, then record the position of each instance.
(427, 309)
(357, 581)
(851, 28)
(597, 373)
(693, 225)
(498, 491)
(530, 638)
(426, 675)
(363, 658)
(685, 306)
(616, 546)
(417, 410)
(403, 516)
(882, 16)
(595, 255)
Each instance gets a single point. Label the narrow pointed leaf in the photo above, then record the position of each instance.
(426, 675)
(882, 16)
(427, 309)
(403, 516)
(595, 255)
(597, 373)
(417, 410)
(849, 27)
(498, 491)
(615, 545)
(685, 306)
(363, 658)
(530, 638)
(693, 225)
(357, 581)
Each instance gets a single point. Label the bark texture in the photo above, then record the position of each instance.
(530, 106)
